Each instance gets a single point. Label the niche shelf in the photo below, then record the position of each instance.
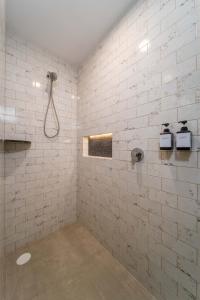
(98, 146)
(12, 145)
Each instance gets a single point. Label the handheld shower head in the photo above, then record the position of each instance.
(52, 76)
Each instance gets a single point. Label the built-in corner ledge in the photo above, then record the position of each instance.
(12, 145)
(15, 141)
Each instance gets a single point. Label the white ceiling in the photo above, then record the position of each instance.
(70, 29)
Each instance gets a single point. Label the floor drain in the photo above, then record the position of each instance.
(23, 259)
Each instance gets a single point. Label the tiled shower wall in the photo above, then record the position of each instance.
(2, 80)
(40, 178)
(145, 73)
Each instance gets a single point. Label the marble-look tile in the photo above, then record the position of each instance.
(145, 73)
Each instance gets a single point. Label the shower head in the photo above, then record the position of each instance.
(52, 76)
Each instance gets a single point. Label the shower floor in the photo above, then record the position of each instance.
(70, 265)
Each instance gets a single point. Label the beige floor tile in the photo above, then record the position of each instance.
(70, 265)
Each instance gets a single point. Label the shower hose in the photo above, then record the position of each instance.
(51, 102)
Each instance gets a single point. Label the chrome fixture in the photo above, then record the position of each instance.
(51, 77)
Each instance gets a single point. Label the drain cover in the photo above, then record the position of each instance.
(23, 259)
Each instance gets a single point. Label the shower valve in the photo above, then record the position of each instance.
(137, 155)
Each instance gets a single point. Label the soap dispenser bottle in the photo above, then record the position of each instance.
(166, 138)
(183, 138)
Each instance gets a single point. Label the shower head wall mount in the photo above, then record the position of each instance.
(52, 76)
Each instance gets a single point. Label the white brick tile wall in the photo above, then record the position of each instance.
(146, 72)
(40, 180)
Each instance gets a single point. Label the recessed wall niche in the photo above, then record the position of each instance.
(99, 145)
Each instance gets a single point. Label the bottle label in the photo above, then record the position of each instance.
(165, 141)
(183, 140)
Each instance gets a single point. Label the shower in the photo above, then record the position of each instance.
(51, 77)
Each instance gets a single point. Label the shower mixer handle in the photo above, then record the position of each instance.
(137, 155)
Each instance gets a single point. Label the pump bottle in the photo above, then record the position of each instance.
(166, 138)
(184, 138)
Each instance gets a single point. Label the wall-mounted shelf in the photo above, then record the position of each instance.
(17, 141)
(12, 145)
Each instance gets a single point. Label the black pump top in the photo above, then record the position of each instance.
(184, 128)
(183, 122)
(166, 130)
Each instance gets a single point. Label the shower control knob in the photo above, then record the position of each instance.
(137, 155)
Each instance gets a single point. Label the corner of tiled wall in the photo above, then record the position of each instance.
(2, 198)
(145, 73)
